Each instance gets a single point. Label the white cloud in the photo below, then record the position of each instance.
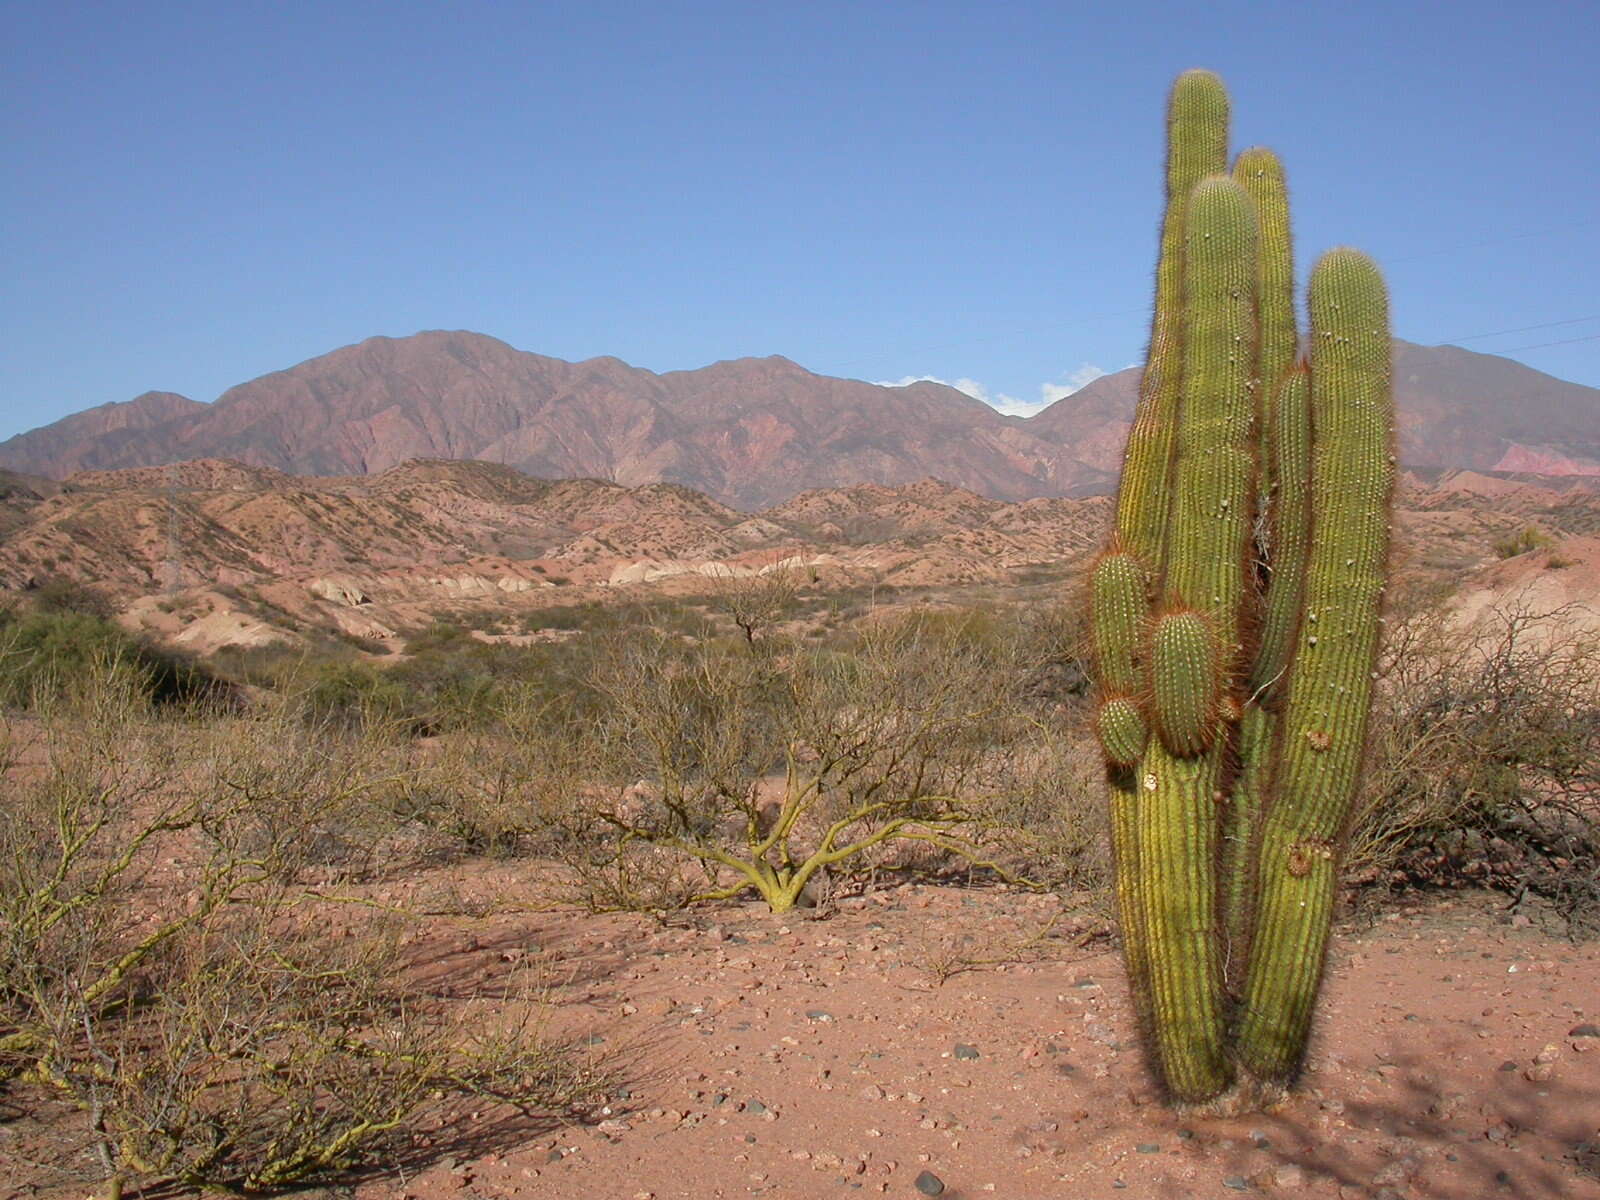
(1071, 382)
(1049, 391)
(970, 386)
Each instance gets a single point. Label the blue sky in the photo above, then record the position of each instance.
(199, 193)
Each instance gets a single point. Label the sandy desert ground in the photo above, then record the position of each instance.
(936, 1040)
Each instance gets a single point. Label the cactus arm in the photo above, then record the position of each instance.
(1187, 680)
(1290, 524)
(1290, 536)
(1119, 608)
(1325, 715)
(1177, 897)
(1209, 543)
(1197, 146)
(1118, 611)
(1260, 172)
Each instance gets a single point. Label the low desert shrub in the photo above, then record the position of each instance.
(506, 786)
(777, 765)
(353, 694)
(44, 650)
(1526, 540)
(1485, 760)
(275, 1055)
(173, 967)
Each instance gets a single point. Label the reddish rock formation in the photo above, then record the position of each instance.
(751, 432)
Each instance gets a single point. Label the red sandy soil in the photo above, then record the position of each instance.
(801, 1058)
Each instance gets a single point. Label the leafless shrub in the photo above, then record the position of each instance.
(777, 764)
(169, 967)
(631, 876)
(1485, 759)
(757, 603)
(507, 787)
(1053, 809)
(274, 1056)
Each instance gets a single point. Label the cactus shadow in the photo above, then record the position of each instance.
(1421, 1138)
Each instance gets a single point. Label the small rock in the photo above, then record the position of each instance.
(966, 1052)
(1587, 1030)
(1149, 1148)
(1391, 1174)
(930, 1184)
(1237, 1183)
(1508, 1065)
(818, 1016)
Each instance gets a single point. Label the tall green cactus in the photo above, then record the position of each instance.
(1235, 616)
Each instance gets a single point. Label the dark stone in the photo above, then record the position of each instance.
(1587, 1029)
(930, 1184)
(965, 1051)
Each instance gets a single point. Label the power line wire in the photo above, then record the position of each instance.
(1472, 337)
(1542, 345)
(1496, 241)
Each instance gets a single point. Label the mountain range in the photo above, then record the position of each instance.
(749, 432)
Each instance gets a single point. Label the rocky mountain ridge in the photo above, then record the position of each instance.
(751, 432)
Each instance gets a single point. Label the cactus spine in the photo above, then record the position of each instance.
(1235, 616)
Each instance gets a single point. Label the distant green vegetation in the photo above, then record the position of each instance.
(64, 635)
(1526, 540)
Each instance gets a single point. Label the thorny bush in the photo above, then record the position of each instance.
(1484, 766)
(166, 962)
